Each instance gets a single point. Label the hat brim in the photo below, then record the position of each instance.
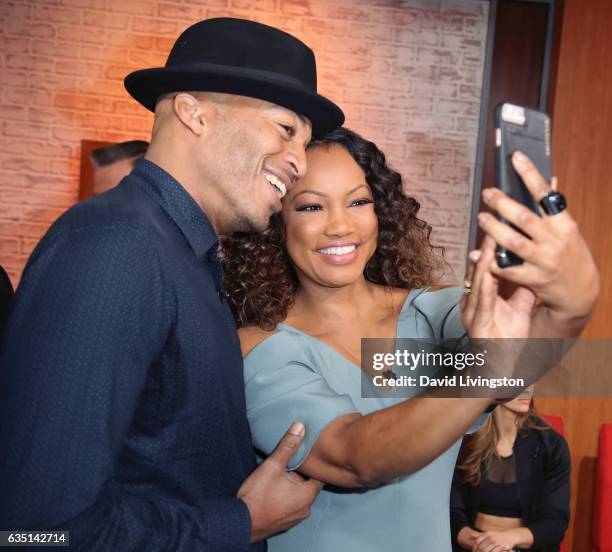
(147, 85)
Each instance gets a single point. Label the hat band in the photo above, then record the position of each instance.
(248, 72)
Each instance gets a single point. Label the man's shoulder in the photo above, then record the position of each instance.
(124, 211)
(125, 204)
(99, 227)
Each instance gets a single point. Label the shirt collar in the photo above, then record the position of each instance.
(180, 207)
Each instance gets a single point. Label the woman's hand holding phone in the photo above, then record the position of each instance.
(558, 265)
(485, 314)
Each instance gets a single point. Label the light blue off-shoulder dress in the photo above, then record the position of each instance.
(294, 376)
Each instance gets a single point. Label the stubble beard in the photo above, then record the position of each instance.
(240, 201)
(246, 223)
(240, 205)
(247, 217)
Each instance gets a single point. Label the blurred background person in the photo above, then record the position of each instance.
(511, 488)
(112, 163)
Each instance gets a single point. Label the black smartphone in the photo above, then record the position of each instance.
(519, 128)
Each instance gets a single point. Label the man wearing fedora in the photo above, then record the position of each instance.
(122, 412)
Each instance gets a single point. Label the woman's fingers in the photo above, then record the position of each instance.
(532, 178)
(484, 543)
(487, 295)
(507, 237)
(514, 212)
(489, 545)
(548, 233)
(522, 300)
(481, 269)
(535, 182)
(470, 293)
(473, 257)
(510, 209)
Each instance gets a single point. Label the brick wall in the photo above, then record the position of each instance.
(407, 74)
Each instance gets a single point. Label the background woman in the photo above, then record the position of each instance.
(511, 488)
(347, 259)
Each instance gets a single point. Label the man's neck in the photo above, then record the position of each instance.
(179, 169)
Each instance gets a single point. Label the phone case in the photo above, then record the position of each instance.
(528, 130)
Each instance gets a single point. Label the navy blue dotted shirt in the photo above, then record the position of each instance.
(122, 410)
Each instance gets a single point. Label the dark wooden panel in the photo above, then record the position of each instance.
(516, 73)
(86, 173)
(582, 133)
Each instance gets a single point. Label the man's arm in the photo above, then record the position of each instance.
(86, 326)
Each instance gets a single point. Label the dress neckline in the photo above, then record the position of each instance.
(407, 301)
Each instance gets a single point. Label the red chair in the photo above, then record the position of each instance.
(556, 422)
(602, 520)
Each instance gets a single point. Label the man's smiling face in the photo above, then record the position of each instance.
(259, 152)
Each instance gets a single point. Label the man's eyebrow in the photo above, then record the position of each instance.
(301, 118)
(322, 194)
(305, 120)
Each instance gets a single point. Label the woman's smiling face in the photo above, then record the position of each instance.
(330, 224)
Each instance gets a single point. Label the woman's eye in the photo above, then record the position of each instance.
(309, 208)
(359, 202)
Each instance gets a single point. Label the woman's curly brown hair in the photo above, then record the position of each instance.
(260, 280)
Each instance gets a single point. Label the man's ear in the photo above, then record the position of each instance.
(191, 112)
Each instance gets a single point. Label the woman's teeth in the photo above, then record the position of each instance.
(278, 184)
(344, 250)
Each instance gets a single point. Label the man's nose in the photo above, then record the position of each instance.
(296, 158)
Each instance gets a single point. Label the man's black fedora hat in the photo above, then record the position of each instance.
(242, 57)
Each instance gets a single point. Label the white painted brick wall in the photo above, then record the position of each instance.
(407, 74)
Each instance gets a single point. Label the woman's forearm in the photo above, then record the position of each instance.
(408, 436)
(365, 451)
(549, 323)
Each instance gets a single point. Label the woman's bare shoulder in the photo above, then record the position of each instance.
(440, 287)
(251, 336)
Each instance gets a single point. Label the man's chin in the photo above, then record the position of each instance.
(252, 224)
